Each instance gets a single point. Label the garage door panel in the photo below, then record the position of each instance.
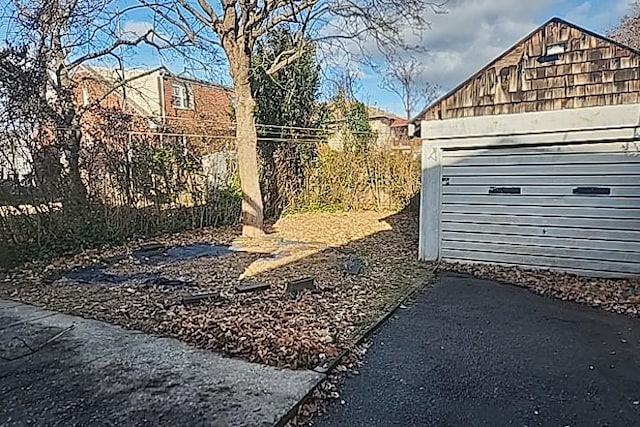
(630, 148)
(544, 170)
(540, 159)
(573, 208)
(538, 260)
(586, 242)
(566, 212)
(559, 252)
(543, 180)
(541, 201)
(623, 235)
(584, 224)
(531, 190)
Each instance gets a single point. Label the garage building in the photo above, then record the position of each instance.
(535, 160)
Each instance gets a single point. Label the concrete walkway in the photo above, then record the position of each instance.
(472, 352)
(99, 374)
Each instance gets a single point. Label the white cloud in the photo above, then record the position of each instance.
(474, 32)
(136, 29)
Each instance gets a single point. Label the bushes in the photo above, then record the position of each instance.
(143, 187)
(42, 235)
(139, 185)
(352, 180)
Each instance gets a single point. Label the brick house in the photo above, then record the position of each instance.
(169, 103)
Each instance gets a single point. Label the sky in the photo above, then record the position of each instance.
(470, 35)
(461, 41)
(474, 32)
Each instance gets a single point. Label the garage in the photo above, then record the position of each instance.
(558, 187)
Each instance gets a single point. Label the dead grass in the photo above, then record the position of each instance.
(272, 327)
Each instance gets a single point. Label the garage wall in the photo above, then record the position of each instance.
(509, 190)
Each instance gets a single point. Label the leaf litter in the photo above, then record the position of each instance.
(620, 296)
(296, 330)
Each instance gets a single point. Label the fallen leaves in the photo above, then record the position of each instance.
(304, 329)
(614, 295)
(329, 389)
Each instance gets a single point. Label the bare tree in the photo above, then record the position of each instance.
(235, 26)
(54, 40)
(405, 79)
(627, 31)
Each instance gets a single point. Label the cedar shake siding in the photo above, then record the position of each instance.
(559, 66)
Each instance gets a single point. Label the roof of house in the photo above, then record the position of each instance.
(399, 122)
(192, 79)
(106, 73)
(375, 112)
(557, 20)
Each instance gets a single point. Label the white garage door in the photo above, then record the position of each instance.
(568, 207)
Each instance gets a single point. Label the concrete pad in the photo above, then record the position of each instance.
(97, 373)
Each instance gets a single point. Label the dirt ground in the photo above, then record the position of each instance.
(361, 264)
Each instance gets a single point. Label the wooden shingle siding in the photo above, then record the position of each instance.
(593, 71)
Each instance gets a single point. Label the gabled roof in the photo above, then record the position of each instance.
(375, 112)
(196, 80)
(511, 50)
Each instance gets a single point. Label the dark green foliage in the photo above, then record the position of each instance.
(287, 109)
(288, 97)
(358, 134)
(22, 79)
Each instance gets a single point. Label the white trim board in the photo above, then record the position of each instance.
(581, 119)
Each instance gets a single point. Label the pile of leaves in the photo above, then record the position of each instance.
(300, 330)
(620, 296)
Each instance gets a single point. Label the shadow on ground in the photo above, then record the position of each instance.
(297, 330)
(65, 370)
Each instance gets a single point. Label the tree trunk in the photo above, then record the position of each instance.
(247, 139)
(77, 196)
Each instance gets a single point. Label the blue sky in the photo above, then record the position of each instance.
(468, 36)
(461, 41)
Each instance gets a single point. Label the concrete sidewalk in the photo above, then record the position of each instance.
(99, 374)
(472, 352)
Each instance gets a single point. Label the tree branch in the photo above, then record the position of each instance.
(112, 88)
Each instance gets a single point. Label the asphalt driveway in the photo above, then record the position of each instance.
(474, 352)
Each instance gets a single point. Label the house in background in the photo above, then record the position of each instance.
(169, 102)
(390, 130)
(15, 158)
(161, 110)
(535, 159)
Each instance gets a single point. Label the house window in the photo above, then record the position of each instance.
(180, 96)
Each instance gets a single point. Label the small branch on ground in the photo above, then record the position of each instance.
(34, 350)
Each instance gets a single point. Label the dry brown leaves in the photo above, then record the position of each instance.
(329, 389)
(616, 295)
(270, 327)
